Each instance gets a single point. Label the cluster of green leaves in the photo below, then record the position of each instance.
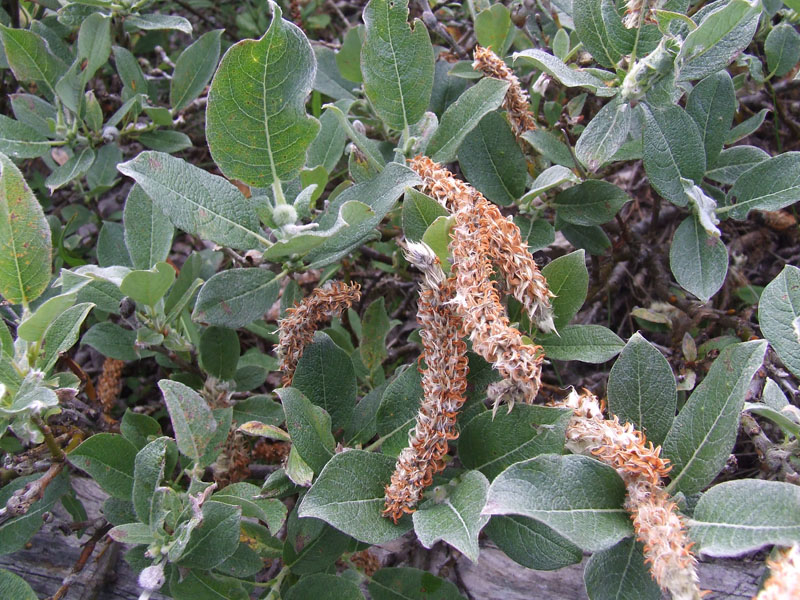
(666, 97)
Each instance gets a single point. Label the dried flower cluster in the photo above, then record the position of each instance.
(635, 8)
(483, 237)
(784, 578)
(655, 518)
(109, 384)
(296, 329)
(444, 383)
(516, 101)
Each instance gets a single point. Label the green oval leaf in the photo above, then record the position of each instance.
(491, 443)
(698, 260)
(25, 246)
(592, 202)
(770, 185)
(712, 104)
(586, 343)
(673, 149)
(396, 63)
(779, 316)
(531, 543)
(109, 458)
(192, 420)
(553, 490)
(463, 115)
(568, 278)
(456, 519)
(326, 376)
(256, 124)
(492, 160)
(195, 200)
(349, 495)
(236, 298)
(406, 583)
(724, 525)
(642, 389)
(702, 436)
(620, 573)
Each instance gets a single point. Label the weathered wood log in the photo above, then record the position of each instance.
(52, 555)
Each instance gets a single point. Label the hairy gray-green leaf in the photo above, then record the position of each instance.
(192, 421)
(398, 409)
(33, 327)
(782, 48)
(620, 573)
(34, 112)
(94, 43)
(733, 162)
(148, 286)
(406, 583)
(62, 334)
(324, 585)
(25, 245)
(586, 343)
(310, 428)
(75, 167)
(720, 36)
(642, 389)
(20, 140)
(219, 352)
(256, 124)
(349, 494)
(419, 212)
(673, 149)
(112, 341)
(397, 63)
(327, 147)
(770, 185)
(456, 519)
(491, 443)
(30, 59)
(565, 75)
(194, 69)
(712, 104)
(326, 376)
(206, 585)
(548, 145)
(778, 314)
(592, 202)
(493, 28)
(148, 471)
(725, 524)
(148, 232)
(746, 127)
(702, 436)
(109, 459)
(195, 200)
(578, 497)
(698, 260)
(531, 543)
(568, 278)
(236, 297)
(154, 22)
(215, 539)
(379, 194)
(463, 115)
(492, 160)
(269, 510)
(604, 134)
(592, 31)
